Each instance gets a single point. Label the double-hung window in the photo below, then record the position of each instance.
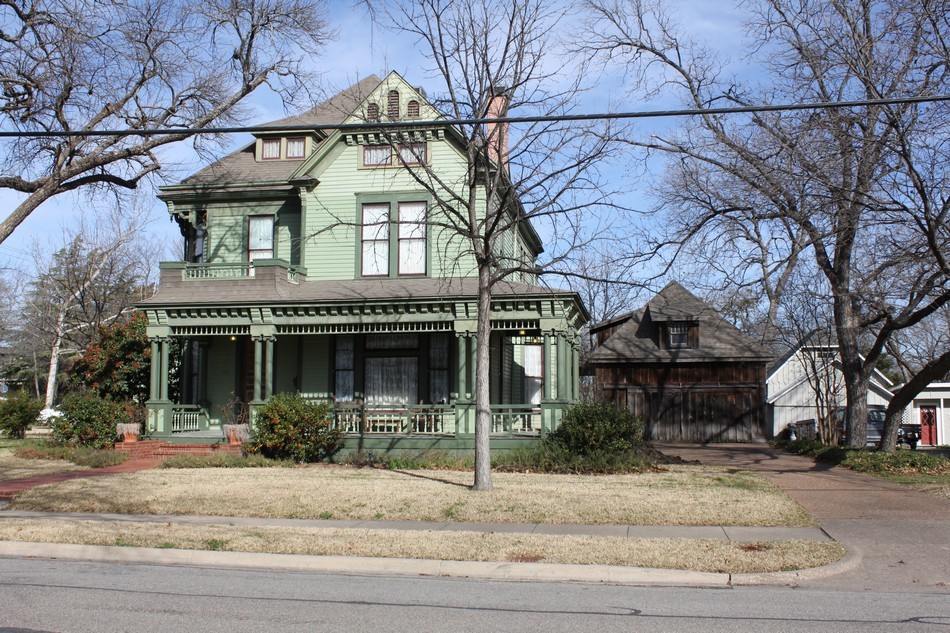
(393, 239)
(377, 156)
(260, 237)
(412, 154)
(412, 238)
(376, 240)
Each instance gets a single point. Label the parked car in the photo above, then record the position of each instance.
(908, 434)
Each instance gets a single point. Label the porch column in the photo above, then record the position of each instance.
(153, 391)
(269, 366)
(163, 374)
(562, 368)
(463, 366)
(575, 371)
(258, 348)
(546, 393)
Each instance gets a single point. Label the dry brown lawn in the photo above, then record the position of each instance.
(15, 468)
(681, 495)
(699, 555)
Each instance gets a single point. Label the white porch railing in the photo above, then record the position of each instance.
(186, 417)
(515, 420)
(420, 419)
(218, 271)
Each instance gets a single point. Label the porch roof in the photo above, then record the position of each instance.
(269, 286)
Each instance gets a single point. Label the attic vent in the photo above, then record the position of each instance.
(392, 105)
(412, 109)
(372, 112)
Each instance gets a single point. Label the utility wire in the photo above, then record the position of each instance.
(380, 126)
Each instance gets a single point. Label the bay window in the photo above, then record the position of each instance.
(375, 240)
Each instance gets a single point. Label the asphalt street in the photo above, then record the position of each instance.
(49, 595)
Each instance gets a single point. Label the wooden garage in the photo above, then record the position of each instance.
(685, 370)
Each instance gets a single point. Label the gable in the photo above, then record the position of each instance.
(393, 99)
(642, 336)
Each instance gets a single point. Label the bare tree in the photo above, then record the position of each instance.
(497, 58)
(92, 280)
(73, 66)
(808, 327)
(861, 191)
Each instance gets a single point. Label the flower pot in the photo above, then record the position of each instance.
(129, 432)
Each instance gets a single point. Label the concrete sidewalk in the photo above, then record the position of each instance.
(900, 535)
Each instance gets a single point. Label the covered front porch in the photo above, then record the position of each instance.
(397, 372)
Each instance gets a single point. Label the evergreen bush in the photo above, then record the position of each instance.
(289, 427)
(593, 426)
(18, 412)
(89, 420)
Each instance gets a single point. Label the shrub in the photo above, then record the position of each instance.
(595, 426)
(554, 458)
(18, 413)
(89, 420)
(289, 427)
(429, 460)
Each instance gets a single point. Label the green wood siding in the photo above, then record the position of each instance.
(333, 212)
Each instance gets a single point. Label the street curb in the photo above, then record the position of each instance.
(852, 560)
(524, 572)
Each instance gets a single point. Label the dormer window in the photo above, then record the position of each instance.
(270, 149)
(295, 147)
(679, 335)
(392, 105)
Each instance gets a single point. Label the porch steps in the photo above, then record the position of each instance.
(157, 449)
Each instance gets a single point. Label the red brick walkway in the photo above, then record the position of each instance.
(11, 487)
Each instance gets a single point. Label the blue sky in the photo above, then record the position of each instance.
(359, 50)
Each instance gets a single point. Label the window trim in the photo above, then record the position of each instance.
(392, 201)
(377, 146)
(265, 142)
(273, 241)
(303, 148)
(678, 329)
(416, 160)
(401, 240)
(387, 240)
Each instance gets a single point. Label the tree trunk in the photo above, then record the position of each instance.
(54, 359)
(852, 367)
(482, 384)
(934, 370)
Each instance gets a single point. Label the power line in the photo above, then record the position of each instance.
(379, 126)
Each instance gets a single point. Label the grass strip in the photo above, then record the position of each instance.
(687, 554)
(680, 495)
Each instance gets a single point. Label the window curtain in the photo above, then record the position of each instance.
(392, 381)
(412, 238)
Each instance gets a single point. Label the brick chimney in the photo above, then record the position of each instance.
(497, 133)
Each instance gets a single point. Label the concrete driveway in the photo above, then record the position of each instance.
(901, 536)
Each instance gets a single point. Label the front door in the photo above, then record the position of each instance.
(928, 425)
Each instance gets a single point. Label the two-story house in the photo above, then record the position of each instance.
(318, 262)
(682, 368)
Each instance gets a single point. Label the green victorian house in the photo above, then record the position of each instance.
(316, 263)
